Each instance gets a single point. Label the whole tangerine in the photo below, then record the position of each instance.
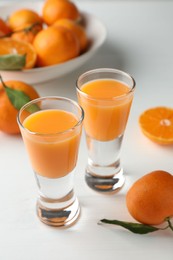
(23, 16)
(55, 45)
(150, 199)
(26, 32)
(58, 9)
(8, 113)
(77, 29)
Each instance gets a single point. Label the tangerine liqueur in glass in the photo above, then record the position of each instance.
(52, 160)
(106, 96)
(51, 130)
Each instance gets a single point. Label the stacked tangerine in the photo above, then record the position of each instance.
(53, 37)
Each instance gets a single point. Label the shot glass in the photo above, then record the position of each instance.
(106, 96)
(51, 130)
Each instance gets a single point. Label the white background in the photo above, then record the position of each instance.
(139, 41)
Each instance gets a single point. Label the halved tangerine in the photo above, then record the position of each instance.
(13, 46)
(157, 124)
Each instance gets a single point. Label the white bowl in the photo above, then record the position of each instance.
(95, 30)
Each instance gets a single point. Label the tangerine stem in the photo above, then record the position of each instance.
(1, 80)
(27, 29)
(169, 223)
(30, 27)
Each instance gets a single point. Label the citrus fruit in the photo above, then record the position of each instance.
(22, 17)
(77, 29)
(8, 112)
(55, 45)
(157, 124)
(58, 9)
(150, 198)
(13, 46)
(4, 28)
(26, 32)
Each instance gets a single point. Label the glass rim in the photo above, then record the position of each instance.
(51, 98)
(131, 89)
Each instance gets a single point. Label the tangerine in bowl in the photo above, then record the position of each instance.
(46, 71)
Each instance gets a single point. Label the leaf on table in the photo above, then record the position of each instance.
(137, 228)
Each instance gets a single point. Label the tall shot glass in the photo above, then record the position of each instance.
(106, 96)
(51, 130)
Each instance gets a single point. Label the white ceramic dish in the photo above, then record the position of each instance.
(95, 30)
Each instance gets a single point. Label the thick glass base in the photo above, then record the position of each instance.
(105, 183)
(104, 172)
(57, 204)
(62, 217)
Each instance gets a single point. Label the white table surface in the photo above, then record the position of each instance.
(139, 41)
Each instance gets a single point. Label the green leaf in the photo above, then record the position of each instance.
(33, 108)
(17, 97)
(137, 228)
(12, 61)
